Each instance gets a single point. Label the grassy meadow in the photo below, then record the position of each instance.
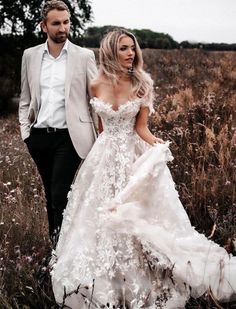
(195, 109)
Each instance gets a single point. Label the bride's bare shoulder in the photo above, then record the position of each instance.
(98, 84)
(94, 87)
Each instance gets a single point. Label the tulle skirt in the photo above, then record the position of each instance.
(132, 245)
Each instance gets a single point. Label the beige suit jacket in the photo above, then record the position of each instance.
(80, 70)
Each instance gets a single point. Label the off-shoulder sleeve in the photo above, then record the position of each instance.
(149, 104)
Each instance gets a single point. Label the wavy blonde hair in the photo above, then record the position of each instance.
(110, 66)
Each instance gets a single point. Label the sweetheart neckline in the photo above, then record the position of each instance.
(111, 106)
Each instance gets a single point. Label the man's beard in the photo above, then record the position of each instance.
(59, 38)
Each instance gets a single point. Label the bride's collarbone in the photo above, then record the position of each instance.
(115, 96)
(115, 99)
(114, 102)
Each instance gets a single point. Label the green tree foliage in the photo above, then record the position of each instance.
(150, 39)
(147, 38)
(81, 13)
(23, 16)
(11, 49)
(93, 35)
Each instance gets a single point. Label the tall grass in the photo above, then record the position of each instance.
(24, 244)
(195, 109)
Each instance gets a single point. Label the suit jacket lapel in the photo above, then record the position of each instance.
(37, 72)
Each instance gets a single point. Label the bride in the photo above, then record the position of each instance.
(126, 240)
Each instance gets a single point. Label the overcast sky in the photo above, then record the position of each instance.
(193, 20)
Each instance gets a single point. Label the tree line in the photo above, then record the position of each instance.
(149, 39)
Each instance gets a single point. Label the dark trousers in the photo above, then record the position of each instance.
(57, 163)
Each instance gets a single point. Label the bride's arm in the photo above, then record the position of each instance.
(100, 127)
(141, 127)
(93, 93)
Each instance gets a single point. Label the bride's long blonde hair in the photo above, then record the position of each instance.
(111, 68)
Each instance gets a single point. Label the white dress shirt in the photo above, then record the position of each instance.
(52, 90)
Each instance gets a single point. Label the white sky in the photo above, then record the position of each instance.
(193, 20)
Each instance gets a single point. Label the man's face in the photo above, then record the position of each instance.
(57, 26)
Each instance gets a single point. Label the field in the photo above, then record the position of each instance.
(195, 109)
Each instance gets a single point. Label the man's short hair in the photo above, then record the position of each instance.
(53, 5)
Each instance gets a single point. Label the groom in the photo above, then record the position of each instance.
(54, 114)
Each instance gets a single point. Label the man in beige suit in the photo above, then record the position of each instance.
(54, 113)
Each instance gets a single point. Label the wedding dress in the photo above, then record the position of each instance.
(126, 240)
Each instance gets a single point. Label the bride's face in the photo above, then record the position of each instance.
(126, 52)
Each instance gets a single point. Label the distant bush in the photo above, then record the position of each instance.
(6, 92)
(149, 39)
(146, 38)
(11, 50)
(10, 54)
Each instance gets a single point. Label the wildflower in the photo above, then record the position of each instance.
(7, 184)
(44, 269)
(29, 288)
(16, 248)
(27, 258)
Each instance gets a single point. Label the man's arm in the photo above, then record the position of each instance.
(24, 100)
(92, 73)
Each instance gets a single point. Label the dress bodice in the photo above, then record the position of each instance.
(118, 122)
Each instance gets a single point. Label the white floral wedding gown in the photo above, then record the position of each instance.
(126, 240)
